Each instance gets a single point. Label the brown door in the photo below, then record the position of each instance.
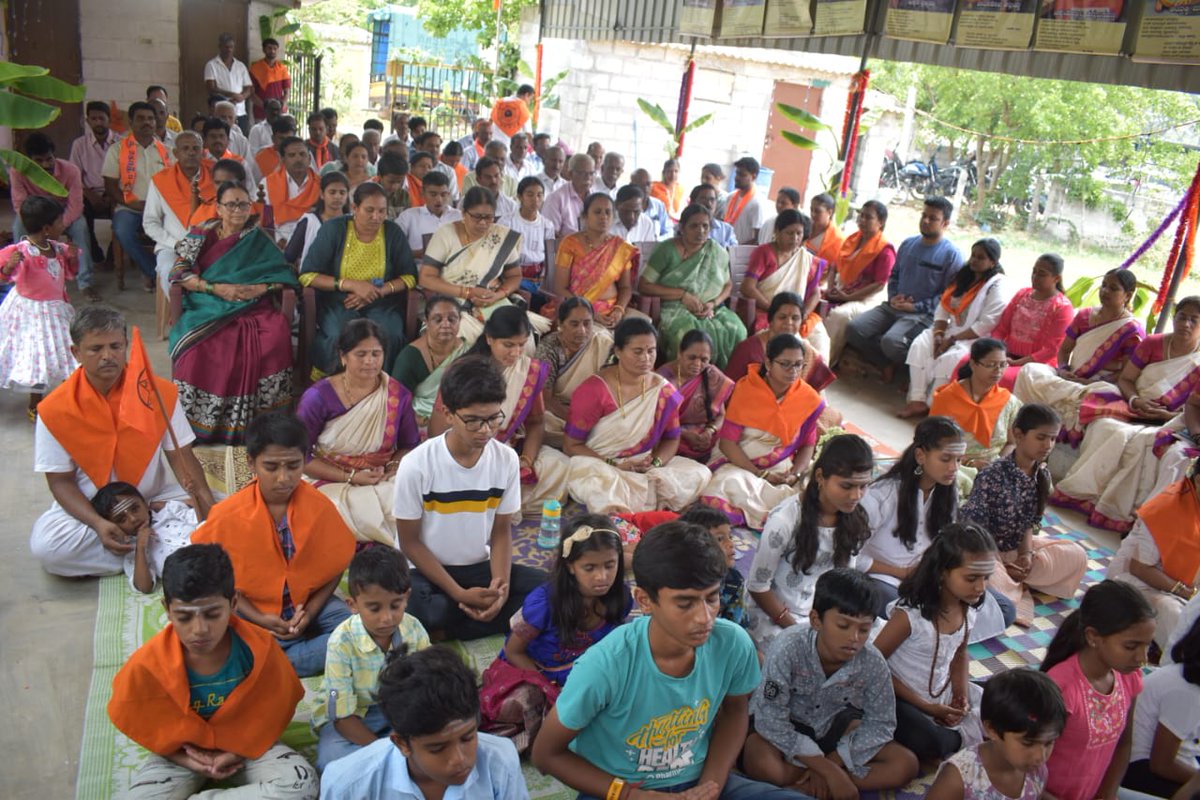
(200, 23)
(790, 163)
(46, 34)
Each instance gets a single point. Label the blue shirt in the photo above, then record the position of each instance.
(381, 770)
(722, 233)
(924, 271)
(208, 692)
(658, 212)
(639, 724)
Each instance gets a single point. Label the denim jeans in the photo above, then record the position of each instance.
(127, 228)
(77, 231)
(883, 335)
(331, 745)
(307, 653)
(737, 787)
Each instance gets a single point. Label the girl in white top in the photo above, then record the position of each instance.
(807, 535)
(333, 202)
(535, 229)
(925, 643)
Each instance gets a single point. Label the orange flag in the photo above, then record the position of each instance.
(142, 400)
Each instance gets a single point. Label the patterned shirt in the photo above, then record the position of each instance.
(797, 706)
(288, 545)
(1004, 501)
(363, 261)
(353, 660)
(733, 598)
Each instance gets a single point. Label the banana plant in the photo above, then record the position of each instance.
(22, 89)
(655, 112)
(833, 179)
(1085, 292)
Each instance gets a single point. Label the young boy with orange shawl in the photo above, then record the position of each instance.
(210, 694)
(861, 271)
(288, 544)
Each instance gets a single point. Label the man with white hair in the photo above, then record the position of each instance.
(553, 159)
(239, 145)
(564, 207)
(609, 179)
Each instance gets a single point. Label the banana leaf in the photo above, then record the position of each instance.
(23, 112)
(803, 142)
(40, 178)
(655, 112)
(696, 123)
(10, 71)
(802, 118)
(49, 88)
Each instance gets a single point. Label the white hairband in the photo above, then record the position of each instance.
(582, 534)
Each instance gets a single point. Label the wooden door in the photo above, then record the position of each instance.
(46, 34)
(200, 23)
(791, 164)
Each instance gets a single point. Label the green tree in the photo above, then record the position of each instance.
(443, 16)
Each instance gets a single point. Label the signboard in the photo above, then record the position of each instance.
(1082, 26)
(1169, 31)
(839, 17)
(698, 17)
(788, 18)
(995, 24)
(922, 20)
(741, 18)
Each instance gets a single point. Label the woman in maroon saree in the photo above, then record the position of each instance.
(705, 391)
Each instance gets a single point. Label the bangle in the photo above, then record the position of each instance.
(209, 287)
(338, 284)
(525, 461)
(763, 473)
(615, 789)
(391, 287)
(618, 306)
(778, 618)
(656, 462)
(612, 462)
(1133, 400)
(353, 472)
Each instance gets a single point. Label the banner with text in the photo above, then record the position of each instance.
(995, 24)
(922, 20)
(839, 17)
(741, 18)
(698, 17)
(1081, 26)
(1170, 31)
(788, 18)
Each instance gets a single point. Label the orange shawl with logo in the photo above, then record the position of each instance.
(977, 419)
(850, 264)
(243, 525)
(957, 307)
(127, 164)
(176, 190)
(1173, 518)
(285, 209)
(89, 426)
(151, 698)
(754, 405)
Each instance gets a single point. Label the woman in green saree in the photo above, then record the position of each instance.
(420, 365)
(691, 274)
(231, 348)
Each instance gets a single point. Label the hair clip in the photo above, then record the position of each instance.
(582, 534)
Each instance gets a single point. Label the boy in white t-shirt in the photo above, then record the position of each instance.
(419, 221)
(456, 495)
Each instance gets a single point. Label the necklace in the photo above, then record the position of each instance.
(1171, 348)
(350, 401)
(621, 400)
(434, 361)
(42, 248)
(937, 641)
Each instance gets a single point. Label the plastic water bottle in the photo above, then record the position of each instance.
(548, 538)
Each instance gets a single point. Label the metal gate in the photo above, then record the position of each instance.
(447, 95)
(305, 69)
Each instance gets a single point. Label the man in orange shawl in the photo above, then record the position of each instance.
(210, 694)
(288, 544)
(290, 192)
(175, 192)
(103, 425)
(925, 266)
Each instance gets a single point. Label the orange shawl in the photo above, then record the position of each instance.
(831, 245)
(88, 425)
(285, 209)
(267, 160)
(736, 204)
(754, 405)
(671, 198)
(176, 190)
(127, 164)
(151, 698)
(957, 306)
(414, 191)
(977, 419)
(243, 525)
(1173, 519)
(850, 265)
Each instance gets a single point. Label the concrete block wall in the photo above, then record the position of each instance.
(127, 44)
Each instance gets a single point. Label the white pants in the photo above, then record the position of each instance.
(925, 372)
(278, 774)
(839, 317)
(164, 262)
(67, 547)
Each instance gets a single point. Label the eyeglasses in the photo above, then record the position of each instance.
(789, 366)
(995, 366)
(232, 206)
(476, 424)
(482, 217)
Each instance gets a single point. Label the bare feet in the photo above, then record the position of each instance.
(915, 408)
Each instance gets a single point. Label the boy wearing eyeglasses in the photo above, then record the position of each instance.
(456, 495)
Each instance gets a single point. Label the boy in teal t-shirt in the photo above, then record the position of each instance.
(661, 702)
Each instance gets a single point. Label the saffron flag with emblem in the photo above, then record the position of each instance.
(141, 406)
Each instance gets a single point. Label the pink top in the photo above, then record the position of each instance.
(87, 153)
(38, 277)
(65, 173)
(1150, 350)
(1034, 328)
(593, 401)
(1095, 723)
(763, 262)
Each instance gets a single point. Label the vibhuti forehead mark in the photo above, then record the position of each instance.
(982, 566)
(124, 505)
(955, 448)
(861, 476)
(194, 609)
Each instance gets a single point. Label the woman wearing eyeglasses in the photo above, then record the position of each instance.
(477, 262)
(768, 437)
(622, 433)
(983, 408)
(543, 469)
(231, 348)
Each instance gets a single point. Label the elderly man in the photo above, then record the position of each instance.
(655, 208)
(289, 192)
(553, 159)
(87, 153)
(518, 165)
(564, 207)
(632, 223)
(473, 145)
(40, 149)
(261, 134)
(596, 151)
(399, 128)
(372, 137)
(487, 175)
(175, 193)
(128, 168)
(239, 145)
(271, 80)
(611, 170)
(541, 142)
(743, 208)
(226, 76)
(84, 440)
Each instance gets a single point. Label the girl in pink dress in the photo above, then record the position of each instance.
(35, 317)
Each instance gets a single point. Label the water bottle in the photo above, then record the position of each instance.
(547, 538)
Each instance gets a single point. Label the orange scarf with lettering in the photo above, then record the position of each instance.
(957, 307)
(851, 264)
(127, 164)
(89, 427)
(754, 405)
(736, 204)
(243, 525)
(151, 698)
(978, 419)
(285, 209)
(1173, 518)
(176, 190)
(414, 191)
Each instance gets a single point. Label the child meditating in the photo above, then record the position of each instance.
(821, 528)
(925, 642)
(1023, 714)
(825, 712)
(733, 587)
(288, 544)
(157, 533)
(346, 714)
(660, 704)
(210, 694)
(435, 749)
(584, 601)
(1096, 658)
(35, 317)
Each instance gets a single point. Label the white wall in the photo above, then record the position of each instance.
(128, 44)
